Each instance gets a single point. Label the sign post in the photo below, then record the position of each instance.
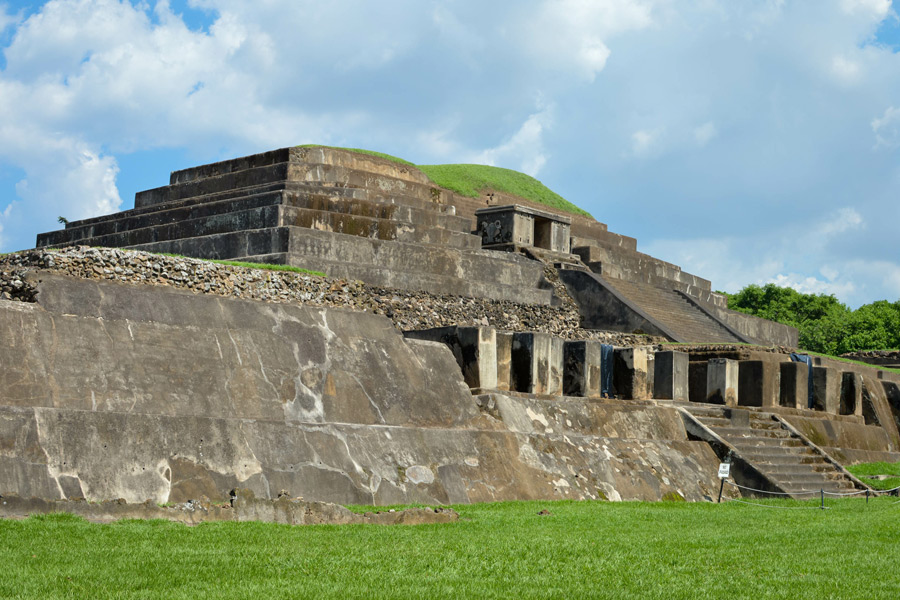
(724, 472)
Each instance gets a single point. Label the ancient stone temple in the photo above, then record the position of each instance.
(458, 350)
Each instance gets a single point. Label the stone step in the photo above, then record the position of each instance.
(619, 261)
(313, 155)
(713, 422)
(233, 214)
(782, 458)
(788, 470)
(747, 442)
(205, 205)
(326, 175)
(377, 262)
(773, 454)
(427, 282)
(78, 231)
(730, 432)
(377, 209)
(672, 311)
(251, 219)
(581, 245)
(383, 229)
(806, 480)
(224, 183)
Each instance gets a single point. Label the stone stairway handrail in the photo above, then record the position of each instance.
(706, 312)
(708, 435)
(821, 452)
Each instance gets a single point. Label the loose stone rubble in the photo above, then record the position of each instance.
(407, 309)
(242, 506)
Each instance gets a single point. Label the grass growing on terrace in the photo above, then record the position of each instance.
(506, 550)
(864, 470)
(250, 265)
(471, 180)
(361, 151)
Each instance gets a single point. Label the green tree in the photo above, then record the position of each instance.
(825, 324)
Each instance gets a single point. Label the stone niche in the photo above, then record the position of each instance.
(515, 225)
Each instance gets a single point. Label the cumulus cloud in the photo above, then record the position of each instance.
(887, 128)
(877, 9)
(524, 150)
(573, 33)
(745, 129)
(789, 256)
(704, 133)
(645, 142)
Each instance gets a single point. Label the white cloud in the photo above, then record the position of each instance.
(846, 70)
(704, 133)
(6, 19)
(877, 9)
(887, 128)
(788, 256)
(814, 285)
(645, 142)
(524, 150)
(573, 33)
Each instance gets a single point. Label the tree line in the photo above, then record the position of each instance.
(826, 325)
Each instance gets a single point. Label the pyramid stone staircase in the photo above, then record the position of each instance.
(789, 464)
(675, 313)
(350, 215)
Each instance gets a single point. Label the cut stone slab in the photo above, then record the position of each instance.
(633, 374)
(474, 348)
(537, 363)
(722, 381)
(670, 379)
(851, 394)
(759, 383)
(794, 385)
(584, 369)
(826, 389)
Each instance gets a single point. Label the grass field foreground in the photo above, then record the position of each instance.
(505, 550)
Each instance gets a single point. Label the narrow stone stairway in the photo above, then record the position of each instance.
(774, 451)
(672, 311)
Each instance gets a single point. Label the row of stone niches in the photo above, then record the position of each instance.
(539, 363)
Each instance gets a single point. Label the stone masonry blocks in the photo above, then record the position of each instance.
(826, 389)
(670, 379)
(475, 350)
(851, 394)
(633, 373)
(504, 360)
(583, 369)
(794, 385)
(537, 363)
(758, 383)
(722, 381)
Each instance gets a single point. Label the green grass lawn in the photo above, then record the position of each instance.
(863, 470)
(506, 550)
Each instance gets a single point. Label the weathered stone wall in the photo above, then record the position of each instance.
(408, 310)
(110, 390)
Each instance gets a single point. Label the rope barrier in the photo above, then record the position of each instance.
(749, 489)
(853, 493)
(775, 506)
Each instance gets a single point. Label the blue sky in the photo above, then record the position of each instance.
(748, 142)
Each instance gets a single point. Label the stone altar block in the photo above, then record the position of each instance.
(516, 225)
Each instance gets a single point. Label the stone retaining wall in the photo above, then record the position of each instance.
(407, 309)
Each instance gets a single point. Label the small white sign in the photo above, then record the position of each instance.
(724, 470)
